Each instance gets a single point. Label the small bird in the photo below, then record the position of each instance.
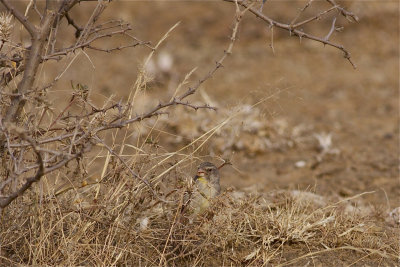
(206, 187)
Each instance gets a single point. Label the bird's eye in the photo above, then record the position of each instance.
(209, 169)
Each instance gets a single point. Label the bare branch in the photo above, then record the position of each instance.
(118, 48)
(78, 29)
(331, 30)
(34, 59)
(301, 11)
(156, 111)
(318, 16)
(226, 162)
(87, 44)
(238, 18)
(295, 32)
(5, 201)
(347, 14)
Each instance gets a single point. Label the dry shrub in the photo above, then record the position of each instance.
(120, 221)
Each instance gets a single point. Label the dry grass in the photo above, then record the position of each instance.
(113, 218)
(119, 221)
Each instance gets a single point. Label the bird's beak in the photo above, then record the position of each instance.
(200, 173)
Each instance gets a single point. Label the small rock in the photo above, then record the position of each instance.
(300, 164)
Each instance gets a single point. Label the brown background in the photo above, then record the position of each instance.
(314, 86)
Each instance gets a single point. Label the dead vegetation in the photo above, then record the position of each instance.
(56, 212)
(119, 222)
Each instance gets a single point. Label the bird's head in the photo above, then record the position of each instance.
(207, 171)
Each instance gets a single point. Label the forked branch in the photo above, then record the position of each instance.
(301, 34)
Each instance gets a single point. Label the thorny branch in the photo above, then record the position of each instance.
(39, 149)
(5, 201)
(25, 61)
(299, 33)
(238, 18)
(72, 22)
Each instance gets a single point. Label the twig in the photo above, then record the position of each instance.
(331, 30)
(295, 32)
(344, 12)
(62, 112)
(66, 51)
(226, 162)
(318, 16)
(78, 29)
(272, 39)
(218, 64)
(116, 48)
(5, 201)
(301, 11)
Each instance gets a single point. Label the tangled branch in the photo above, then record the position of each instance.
(32, 149)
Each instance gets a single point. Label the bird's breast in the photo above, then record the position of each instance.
(206, 188)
